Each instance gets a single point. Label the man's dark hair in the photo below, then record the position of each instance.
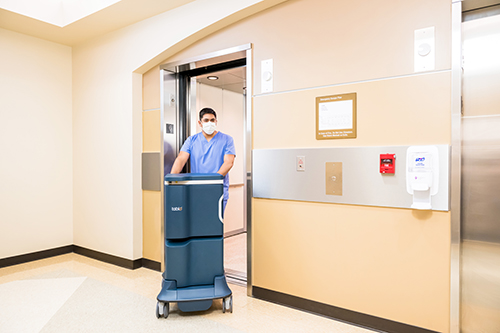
(204, 111)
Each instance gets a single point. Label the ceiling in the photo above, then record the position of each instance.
(231, 79)
(116, 16)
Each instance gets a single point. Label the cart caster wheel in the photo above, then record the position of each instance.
(227, 304)
(166, 309)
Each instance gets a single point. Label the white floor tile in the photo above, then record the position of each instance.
(27, 305)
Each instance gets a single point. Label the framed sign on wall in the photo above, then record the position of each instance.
(336, 117)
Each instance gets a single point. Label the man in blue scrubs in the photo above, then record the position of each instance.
(210, 151)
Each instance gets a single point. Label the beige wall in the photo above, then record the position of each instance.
(391, 263)
(151, 200)
(412, 110)
(35, 144)
(107, 112)
(321, 42)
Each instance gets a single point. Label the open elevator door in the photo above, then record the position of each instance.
(480, 227)
(178, 91)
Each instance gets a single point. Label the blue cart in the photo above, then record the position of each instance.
(194, 244)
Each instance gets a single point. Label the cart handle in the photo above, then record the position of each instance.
(221, 208)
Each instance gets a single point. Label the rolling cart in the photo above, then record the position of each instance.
(194, 244)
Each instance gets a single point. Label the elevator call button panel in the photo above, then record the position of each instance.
(387, 163)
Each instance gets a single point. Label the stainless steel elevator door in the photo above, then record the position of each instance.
(480, 278)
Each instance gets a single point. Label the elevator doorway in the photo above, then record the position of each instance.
(220, 81)
(224, 91)
(480, 276)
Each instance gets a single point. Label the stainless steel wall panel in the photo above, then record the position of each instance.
(481, 179)
(275, 176)
(151, 171)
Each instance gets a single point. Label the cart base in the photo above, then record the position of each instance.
(194, 298)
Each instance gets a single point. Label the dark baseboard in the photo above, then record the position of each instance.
(348, 316)
(154, 265)
(110, 259)
(23, 258)
(234, 232)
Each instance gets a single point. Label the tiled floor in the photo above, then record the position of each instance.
(72, 293)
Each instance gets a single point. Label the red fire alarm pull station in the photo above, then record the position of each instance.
(387, 163)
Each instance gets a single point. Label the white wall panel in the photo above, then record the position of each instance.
(35, 144)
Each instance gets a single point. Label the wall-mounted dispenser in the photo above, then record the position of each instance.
(422, 174)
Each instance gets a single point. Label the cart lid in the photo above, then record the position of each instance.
(192, 176)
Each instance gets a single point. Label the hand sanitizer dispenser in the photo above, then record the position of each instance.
(422, 174)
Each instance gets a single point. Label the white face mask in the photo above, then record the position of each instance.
(209, 127)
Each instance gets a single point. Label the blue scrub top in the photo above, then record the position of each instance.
(208, 156)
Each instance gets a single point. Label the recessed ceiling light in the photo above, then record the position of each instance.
(212, 77)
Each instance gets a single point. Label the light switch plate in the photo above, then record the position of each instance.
(424, 50)
(266, 74)
(301, 163)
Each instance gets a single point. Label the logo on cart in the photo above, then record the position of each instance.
(177, 209)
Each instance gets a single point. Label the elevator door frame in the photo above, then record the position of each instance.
(172, 91)
(455, 162)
